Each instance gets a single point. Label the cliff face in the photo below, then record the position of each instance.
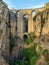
(4, 33)
(12, 23)
(41, 22)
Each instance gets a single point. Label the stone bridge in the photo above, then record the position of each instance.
(20, 22)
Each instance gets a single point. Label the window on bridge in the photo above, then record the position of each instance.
(33, 13)
(18, 20)
(25, 18)
(18, 13)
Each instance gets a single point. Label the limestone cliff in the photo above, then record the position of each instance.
(4, 33)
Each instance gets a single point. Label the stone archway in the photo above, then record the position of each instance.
(25, 38)
(25, 18)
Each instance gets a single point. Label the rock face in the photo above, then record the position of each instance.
(4, 34)
(18, 47)
(43, 41)
(13, 22)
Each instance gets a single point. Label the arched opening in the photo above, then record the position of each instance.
(25, 38)
(33, 13)
(18, 13)
(25, 18)
(18, 20)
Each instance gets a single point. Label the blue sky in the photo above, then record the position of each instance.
(25, 4)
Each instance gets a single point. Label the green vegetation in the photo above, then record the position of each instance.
(29, 52)
(17, 37)
(12, 43)
(21, 62)
(46, 54)
(31, 37)
(30, 55)
(33, 60)
(12, 62)
(40, 49)
(28, 41)
(48, 63)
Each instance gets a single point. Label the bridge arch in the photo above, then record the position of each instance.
(25, 23)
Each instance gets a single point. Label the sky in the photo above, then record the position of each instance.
(25, 4)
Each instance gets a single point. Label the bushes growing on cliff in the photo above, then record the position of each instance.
(28, 41)
(39, 51)
(33, 60)
(12, 43)
(30, 54)
(31, 37)
(46, 54)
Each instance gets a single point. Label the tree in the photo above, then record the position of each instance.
(29, 52)
(31, 37)
(33, 60)
(12, 42)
